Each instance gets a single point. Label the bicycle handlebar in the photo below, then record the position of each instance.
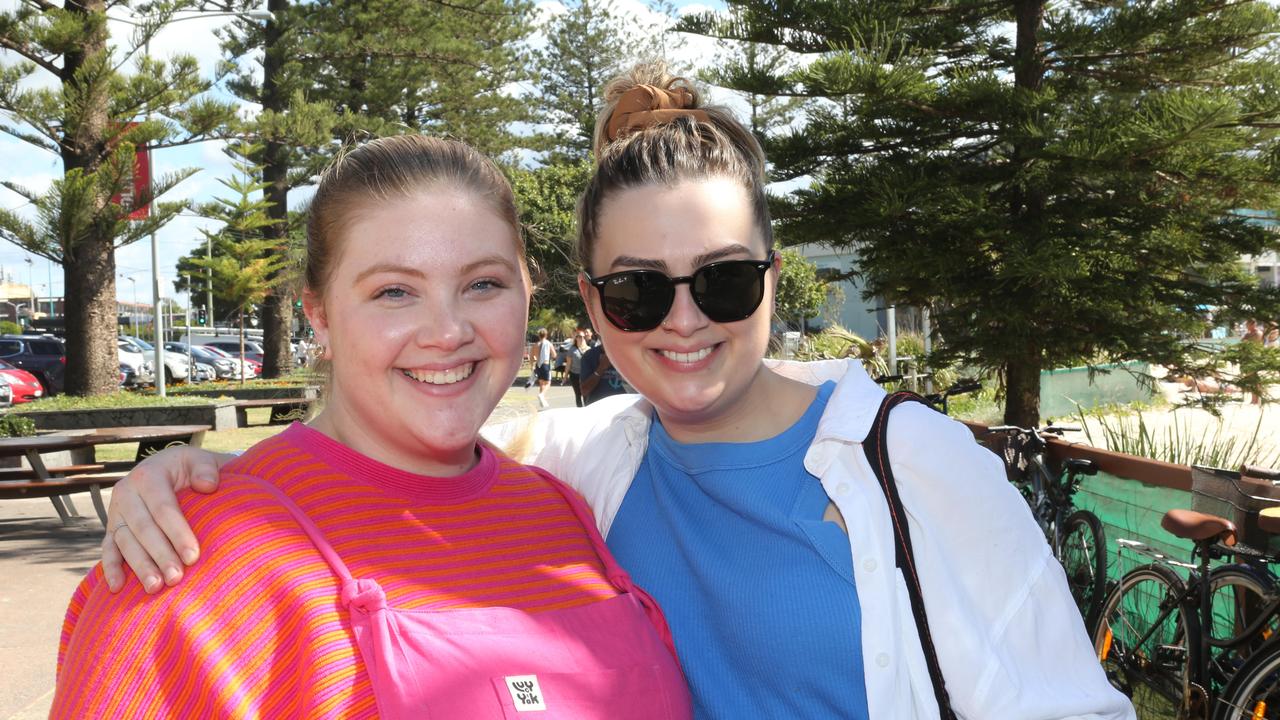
(1257, 471)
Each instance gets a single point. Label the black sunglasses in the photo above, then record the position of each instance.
(726, 291)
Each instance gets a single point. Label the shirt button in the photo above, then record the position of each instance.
(882, 660)
(842, 489)
(869, 565)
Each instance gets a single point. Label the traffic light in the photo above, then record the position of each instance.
(202, 317)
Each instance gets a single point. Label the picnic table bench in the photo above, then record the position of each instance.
(283, 410)
(59, 482)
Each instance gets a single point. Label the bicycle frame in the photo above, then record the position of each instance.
(1196, 596)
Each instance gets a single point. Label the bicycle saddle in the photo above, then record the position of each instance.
(1196, 526)
(1269, 520)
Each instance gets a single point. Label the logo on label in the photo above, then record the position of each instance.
(525, 692)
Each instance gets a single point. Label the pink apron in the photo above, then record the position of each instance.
(610, 659)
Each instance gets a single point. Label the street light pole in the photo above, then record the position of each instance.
(155, 248)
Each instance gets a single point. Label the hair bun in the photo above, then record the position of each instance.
(646, 105)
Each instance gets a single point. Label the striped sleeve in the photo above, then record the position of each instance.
(253, 630)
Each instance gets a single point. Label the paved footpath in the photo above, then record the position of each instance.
(42, 561)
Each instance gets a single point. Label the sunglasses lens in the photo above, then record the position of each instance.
(637, 300)
(729, 291)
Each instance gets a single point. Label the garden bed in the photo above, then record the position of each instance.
(218, 415)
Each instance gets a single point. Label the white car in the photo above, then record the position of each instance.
(143, 373)
(176, 366)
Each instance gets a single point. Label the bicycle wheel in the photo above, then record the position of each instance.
(1082, 552)
(1141, 640)
(1239, 596)
(1254, 693)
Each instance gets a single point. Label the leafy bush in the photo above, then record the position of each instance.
(15, 426)
(1180, 443)
(8, 327)
(122, 399)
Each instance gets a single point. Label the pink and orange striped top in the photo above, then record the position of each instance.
(256, 628)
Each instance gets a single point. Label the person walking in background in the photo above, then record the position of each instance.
(542, 353)
(576, 348)
(600, 379)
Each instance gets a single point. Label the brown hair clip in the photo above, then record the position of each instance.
(646, 105)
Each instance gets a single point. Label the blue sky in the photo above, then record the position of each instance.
(35, 168)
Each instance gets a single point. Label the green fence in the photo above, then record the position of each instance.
(1061, 390)
(1132, 510)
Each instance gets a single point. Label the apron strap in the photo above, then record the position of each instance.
(309, 527)
(613, 571)
(876, 449)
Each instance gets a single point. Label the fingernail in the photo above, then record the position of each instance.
(151, 583)
(172, 575)
(189, 556)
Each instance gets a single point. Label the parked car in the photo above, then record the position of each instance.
(26, 387)
(176, 366)
(224, 366)
(126, 375)
(132, 356)
(204, 373)
(6, 393)
(252, 350)
(43, 356)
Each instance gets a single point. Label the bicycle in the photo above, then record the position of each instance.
(1253, 692)
(1173, 646)
(939, 400)
(1076, 536)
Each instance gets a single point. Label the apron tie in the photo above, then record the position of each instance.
(364, 595)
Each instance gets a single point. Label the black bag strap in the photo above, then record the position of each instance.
(876, 448)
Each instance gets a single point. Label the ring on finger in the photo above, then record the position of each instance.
(118, 528)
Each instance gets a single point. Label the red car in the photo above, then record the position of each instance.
(25, 385)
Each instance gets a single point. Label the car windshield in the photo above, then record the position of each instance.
(216, 351)
(6, 366)
(142, 343)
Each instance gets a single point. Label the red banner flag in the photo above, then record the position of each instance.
(138, 184)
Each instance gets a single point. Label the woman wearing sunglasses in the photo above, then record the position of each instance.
(743, 494)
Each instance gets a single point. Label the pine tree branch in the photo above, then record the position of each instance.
(41, 142)
(192, 140)
(26, 52)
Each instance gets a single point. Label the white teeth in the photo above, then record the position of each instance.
(692, 357)
(441, 377)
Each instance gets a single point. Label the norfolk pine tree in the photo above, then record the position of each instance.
(342, 69)
(1055, 181)
(249, 266)
(85, 119)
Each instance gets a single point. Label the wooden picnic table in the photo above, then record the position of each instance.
(58, 483)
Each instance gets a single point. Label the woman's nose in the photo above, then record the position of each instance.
(685, 317)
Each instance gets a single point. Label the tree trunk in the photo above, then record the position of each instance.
(89, 265)
(1026, 212)
(1022, 392)
(277, 311)
(93, 361)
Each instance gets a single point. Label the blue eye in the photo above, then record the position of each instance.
(486, 285)
(394, 293)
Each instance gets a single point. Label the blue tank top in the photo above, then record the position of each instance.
(757, 588)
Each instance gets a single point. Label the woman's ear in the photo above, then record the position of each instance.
(313, 308)
(584, 290)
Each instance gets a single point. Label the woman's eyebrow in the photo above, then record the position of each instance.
(390, 268)
(698, 261)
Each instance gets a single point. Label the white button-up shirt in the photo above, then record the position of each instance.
(1010, 641)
